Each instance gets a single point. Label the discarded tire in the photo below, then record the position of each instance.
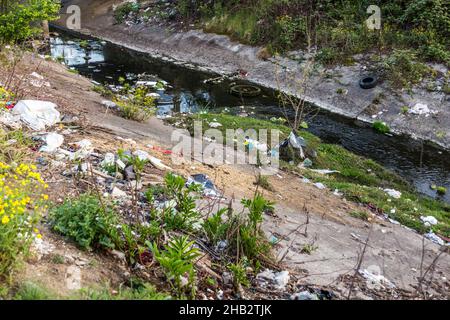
(245, 91)
(368, 82)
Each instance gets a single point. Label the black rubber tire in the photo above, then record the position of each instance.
(248, 91)
(368, 82)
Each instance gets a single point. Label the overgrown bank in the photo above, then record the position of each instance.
(358, 179)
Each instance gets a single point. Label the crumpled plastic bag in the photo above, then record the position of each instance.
(53, 141)
(37, 114)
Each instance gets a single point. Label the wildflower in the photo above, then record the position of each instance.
(5, 219)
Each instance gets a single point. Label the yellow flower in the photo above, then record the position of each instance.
(5, 219)
(39, 236)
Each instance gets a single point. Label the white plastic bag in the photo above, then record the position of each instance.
(37, 114)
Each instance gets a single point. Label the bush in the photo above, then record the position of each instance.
(21, 208)
(124, 10)
(381, 127)
(178, 262)
(87, 221)
(19, 20)
(402, 70)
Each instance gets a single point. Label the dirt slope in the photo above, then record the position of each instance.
(392, 250)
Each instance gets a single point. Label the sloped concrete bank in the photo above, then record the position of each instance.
(338, 92)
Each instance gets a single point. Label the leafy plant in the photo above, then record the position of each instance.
(214, 227)
(381, 127)
(87, 221)
(124, 10)
(177, 262)
(239, 274)
(20, 20)
(184, 214)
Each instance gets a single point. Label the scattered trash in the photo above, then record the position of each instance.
(117, 193)
(272, 279)
(433, 237)
(215, 125)
(53, 141)
(227, 278)
(304, 295)
(393, 221)
(109, 160)
(429, 221)
(324, 171)
(376, 280)
(273, 240)
(292, 147)
(307, 163)
(221, 245)
(420, 109)
(393, 193)
(209, 189)
(37, 114)
(320, 185)
(158, 164)
(109, 104)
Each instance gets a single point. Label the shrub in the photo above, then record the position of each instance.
(381, 127)
(184, 214)
(124, 10)
(133, 110)
(87, 221)
(19, 19)
(402, 70)
(21, 208)
(178, 264)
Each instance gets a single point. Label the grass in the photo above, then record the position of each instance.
(360, 179)
(136, 291)
(14, 145)
(33, 291)
(363, 215)
(263, 182)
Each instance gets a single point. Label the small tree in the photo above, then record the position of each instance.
(21, 20)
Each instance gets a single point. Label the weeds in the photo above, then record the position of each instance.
(381, 127)
(87, 222)
(33, 291)
(177, 262)
(363, 215)
(263, 182)
(183, 214)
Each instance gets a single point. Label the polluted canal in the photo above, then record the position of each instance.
(187, 91)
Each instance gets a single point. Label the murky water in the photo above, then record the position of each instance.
(422, 165)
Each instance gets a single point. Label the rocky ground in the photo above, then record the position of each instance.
(324, 250)
(336, 89)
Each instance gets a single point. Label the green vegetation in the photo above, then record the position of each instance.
(381, 127)
(178, 264)
(363, 215)
(413, 31)
(359, 179)
(20, 20)
(124, 10)
(87, 221)
(33, 291)
(132, 103)
(263, 182)
(135, 290)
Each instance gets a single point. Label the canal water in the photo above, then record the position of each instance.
(421, 164)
